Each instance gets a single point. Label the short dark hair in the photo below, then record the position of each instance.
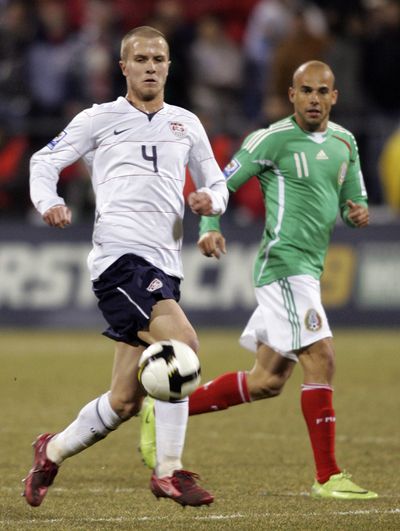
(142, 31)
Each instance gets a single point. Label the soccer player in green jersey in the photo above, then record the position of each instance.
(309, 170)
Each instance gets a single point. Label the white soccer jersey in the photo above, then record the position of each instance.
(138, 168)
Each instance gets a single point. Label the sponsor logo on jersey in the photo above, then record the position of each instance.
(342, 173)
(154, 284)
(321, 155)
(178, 129)
(231, 168)
(52, 144)
(313, 320)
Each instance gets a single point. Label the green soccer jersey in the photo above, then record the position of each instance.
(305, 179)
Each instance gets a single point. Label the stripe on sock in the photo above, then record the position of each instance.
(312, 386)
(240, 376)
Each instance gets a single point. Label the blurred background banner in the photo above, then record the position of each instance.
(44, 281)
(232, 62)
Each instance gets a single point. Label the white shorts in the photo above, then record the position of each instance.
(289, 316)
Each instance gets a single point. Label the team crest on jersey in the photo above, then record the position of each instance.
(313, 320)
(231, 168)
(178, 129)
(154, 284)
(52, 144)
(342, 173)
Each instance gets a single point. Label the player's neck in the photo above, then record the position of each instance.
(147, 107)
(311, 128)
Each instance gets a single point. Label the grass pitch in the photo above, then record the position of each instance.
(255, 458)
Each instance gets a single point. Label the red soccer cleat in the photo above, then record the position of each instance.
(181, 487)
(42, 473)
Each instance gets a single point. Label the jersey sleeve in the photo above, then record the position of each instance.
(209, 223)
(205, 172)
(74, 142)
(353, 186)
(244, 165)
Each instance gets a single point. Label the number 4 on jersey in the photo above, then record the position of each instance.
(152, 158)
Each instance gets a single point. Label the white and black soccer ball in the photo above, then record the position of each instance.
(169, 370)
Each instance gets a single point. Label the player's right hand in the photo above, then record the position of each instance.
(58, 216)
(212, 243)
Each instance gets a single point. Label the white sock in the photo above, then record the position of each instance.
(171, 422)
(93, 423)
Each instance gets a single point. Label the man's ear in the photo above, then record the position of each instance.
(123, 67)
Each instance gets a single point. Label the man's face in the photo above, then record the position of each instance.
(313, 96)
(146, 67)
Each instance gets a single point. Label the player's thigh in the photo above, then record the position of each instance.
(168, 321)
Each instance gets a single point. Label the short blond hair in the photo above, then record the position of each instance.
(141, 31)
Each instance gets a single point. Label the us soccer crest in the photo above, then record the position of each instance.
(313, 321)
(178, 129)
(154, 284)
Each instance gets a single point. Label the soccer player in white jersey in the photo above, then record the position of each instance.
(137, 149)
(309, 171)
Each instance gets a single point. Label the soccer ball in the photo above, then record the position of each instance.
(169, 370)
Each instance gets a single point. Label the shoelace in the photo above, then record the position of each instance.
(187, 477)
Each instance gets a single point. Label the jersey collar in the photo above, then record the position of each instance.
(128, 104)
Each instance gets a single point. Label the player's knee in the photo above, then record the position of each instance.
(125, 408)
(324, 357)
(191, 339)
(318, 361)
(328, 361)
(194, 344)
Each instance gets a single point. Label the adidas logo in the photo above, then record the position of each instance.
(321, 155)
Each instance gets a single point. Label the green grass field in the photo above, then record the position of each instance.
(255, 458)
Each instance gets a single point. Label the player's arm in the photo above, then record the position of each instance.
(353, 195)
(240, 169)
(211, 195)
(47, 163)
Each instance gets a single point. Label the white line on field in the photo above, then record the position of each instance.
(131, 490)
(234, 516)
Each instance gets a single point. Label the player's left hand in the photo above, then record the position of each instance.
(200, 203)
(358, 214)
(58, 216)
